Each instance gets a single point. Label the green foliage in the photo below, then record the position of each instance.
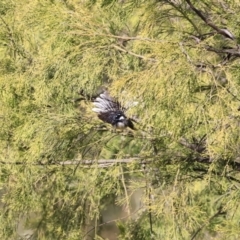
(60, 168)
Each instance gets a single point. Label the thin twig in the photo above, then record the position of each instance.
(150, 210)
(120, 37)
(233, 95)
(134, 54)
(125, 191)
(185, 53)
(148, 193)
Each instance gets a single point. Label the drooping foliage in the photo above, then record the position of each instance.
(174, 64)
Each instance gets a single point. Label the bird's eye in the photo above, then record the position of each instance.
(117, 116)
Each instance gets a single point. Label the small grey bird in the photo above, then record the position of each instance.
(111, 111)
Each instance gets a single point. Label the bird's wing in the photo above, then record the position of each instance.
(105, 103)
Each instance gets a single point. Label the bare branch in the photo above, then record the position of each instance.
(101, 162)
(231, 51)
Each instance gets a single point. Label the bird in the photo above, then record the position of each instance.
(111, 111)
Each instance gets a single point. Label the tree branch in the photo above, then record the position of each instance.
(101, 162)
(224, 32)
(231, 51)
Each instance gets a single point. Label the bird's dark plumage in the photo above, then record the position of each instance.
(111, 111)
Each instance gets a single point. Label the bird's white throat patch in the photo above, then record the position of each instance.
(120, 125)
